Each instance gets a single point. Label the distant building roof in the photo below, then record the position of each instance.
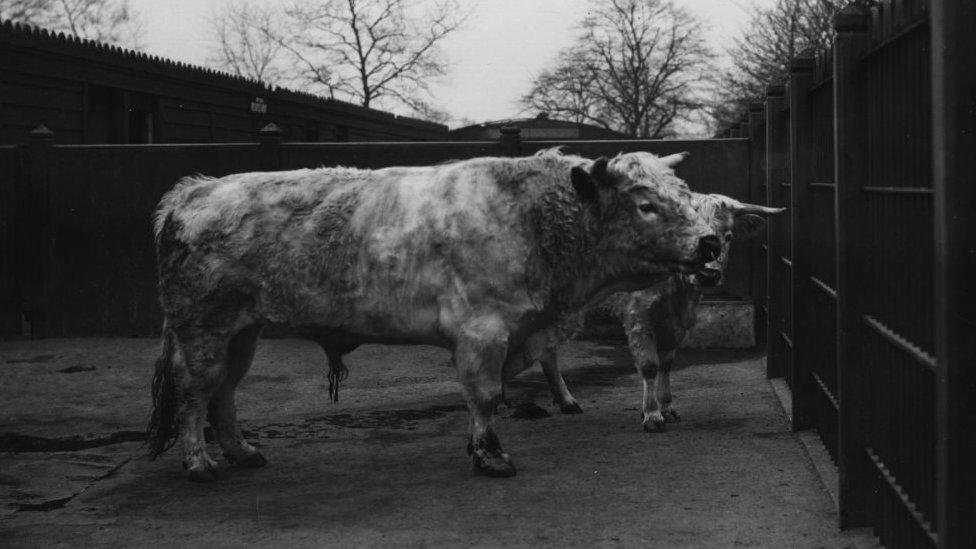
(539, 127)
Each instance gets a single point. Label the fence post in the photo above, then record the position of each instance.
(510, 141)
(775, 174)
(804, 334)
(269, 139)
(757, 195)
(34, 240)
(954, 140)
(851, 40)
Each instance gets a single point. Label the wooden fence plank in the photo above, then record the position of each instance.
(851, 41)
(954, 141)
(804, 331)
(775, 168)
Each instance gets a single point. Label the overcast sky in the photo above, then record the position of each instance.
(504, 44)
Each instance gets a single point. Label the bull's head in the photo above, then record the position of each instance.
(647, 217)
(730, 220)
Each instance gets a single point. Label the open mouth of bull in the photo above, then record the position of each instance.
(708, 275)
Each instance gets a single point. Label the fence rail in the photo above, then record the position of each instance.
(860, 322)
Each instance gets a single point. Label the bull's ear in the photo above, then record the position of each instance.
(599, 172)
(585, 182)
(747, 225)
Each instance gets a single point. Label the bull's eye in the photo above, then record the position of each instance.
(647, 208)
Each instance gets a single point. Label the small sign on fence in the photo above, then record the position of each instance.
(259, 106)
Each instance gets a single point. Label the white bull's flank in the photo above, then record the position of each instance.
(476, 256)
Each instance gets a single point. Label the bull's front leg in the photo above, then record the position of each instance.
(643, 348)
(479, 357)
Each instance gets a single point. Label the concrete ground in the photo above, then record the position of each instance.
(386, 466)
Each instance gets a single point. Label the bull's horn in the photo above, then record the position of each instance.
(741, 208)
(673, 160)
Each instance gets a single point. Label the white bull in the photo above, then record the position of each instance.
(476, 256)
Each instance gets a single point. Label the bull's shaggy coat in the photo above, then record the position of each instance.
(476, 256)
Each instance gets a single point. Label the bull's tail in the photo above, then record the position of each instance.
(164, 425)
(337, 372)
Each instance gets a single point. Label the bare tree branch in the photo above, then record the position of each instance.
(109, 21)
(637, 68)
(370, 49)
(761, 55)
(247, 43)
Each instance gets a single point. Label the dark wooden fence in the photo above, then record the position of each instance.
(78, 253)
(865, 321)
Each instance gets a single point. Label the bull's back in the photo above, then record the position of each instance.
(376, 250)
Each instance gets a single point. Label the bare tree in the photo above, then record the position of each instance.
(761, 55)
(361, 51)
(637, 68)
(248, 41)
(109, 21)
(365, 50)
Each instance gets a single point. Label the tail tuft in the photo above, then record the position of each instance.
(164, 425)
(337, 373)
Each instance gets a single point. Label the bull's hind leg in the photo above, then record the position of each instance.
(200, 368)
(643, 348)
(560, 392)
(223, 411)
(479, 357)
(541, 347)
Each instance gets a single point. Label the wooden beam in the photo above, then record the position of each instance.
(851, 40)
(954, 170)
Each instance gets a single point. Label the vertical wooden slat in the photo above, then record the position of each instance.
(852, 39)
(775, 168)
(757, 195)
(37, 240)
(803, 331)
(510, 141)
(954, 144)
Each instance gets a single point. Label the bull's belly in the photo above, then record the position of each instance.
(367, 318)
(385, 316)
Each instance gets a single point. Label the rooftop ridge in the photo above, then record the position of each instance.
(70, 44)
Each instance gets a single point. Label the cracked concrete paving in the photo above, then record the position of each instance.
(386, 465)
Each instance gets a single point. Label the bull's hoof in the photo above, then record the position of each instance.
(250, 461)
(570, 408)
(208, 474)
(670, 416)
(493, 465)
(655, 426)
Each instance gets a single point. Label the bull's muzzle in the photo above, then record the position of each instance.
(709, 248)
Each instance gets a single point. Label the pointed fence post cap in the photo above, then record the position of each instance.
(805, 62)
(271, 129)
(852, 18)
(270, 134)
(41, 132)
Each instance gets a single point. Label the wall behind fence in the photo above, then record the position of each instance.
(83, 241)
